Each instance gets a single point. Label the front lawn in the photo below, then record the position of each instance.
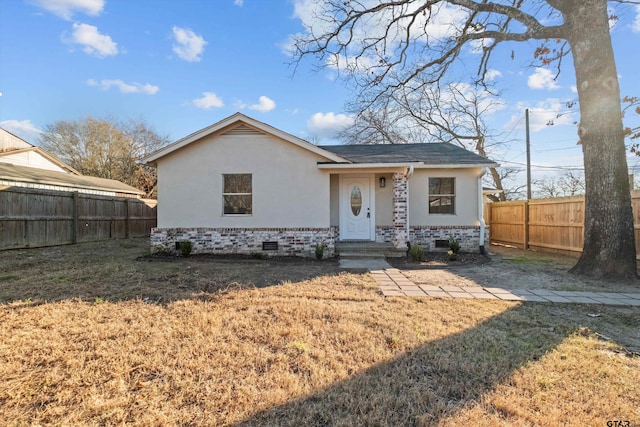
(90, 336)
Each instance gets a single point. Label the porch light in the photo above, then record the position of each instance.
(383, 182)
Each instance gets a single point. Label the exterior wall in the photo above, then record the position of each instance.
(291, 241)
(384, 199)
(466, 202)
(31, 159)
(289, 191)
(335, 200)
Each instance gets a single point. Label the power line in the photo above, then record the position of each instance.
(568, 167)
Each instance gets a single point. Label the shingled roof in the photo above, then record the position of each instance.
(25, 174)
(430, 154)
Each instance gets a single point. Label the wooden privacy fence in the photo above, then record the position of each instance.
(555, 225)
(32, 218)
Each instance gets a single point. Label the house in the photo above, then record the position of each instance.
(25, 165)
(242, 186)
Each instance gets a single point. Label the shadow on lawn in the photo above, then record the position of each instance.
(429, 383)
(115, 271)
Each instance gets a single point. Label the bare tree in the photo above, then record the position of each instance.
(422, 113)
(568, 183)
(388, 45)
(106, 148)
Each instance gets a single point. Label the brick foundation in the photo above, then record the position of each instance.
(291, 241)
(426, 236)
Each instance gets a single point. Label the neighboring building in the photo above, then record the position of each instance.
(242, 186)
(25, 165)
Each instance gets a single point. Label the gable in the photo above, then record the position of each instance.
(239, 125)
(9, 141)
(35, 157)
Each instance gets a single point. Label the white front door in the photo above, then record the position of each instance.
(356, 210)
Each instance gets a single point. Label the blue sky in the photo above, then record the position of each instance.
(183, 65)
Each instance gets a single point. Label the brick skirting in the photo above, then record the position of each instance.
(426, 236)
(291, 241)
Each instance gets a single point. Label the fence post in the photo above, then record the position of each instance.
(526, 225)
(127, 222)
(74, 231)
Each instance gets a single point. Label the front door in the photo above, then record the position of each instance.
(356, 209)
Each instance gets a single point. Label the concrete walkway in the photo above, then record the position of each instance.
(371, 264)
(395, 284)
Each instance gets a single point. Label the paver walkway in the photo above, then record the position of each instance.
(395, 284)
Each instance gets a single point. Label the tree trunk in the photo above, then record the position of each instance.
(609, 245)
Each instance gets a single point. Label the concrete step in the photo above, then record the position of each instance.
(362, 254)
(367, 250)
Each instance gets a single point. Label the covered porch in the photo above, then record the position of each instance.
(371, 206)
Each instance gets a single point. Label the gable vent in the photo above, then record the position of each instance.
(242, 130)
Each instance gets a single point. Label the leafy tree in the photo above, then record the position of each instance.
(388, 45)
(106, 148)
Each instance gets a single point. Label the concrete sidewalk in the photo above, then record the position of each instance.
(395, 284)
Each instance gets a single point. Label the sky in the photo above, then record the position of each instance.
(184, 65)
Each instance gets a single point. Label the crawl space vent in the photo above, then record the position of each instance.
(269, 246)
(442, 243)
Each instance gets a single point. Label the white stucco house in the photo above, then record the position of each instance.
(242, 186)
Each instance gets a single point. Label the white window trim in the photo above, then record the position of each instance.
(237, 194)
(454, 196)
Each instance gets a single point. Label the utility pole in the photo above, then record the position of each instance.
(528, 142)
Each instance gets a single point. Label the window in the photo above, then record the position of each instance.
(237, 195)
(442, 195)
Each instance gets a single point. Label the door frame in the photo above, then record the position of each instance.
(370, 178)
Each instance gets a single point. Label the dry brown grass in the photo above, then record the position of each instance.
(325, 350)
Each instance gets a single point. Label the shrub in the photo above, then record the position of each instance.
(320, 247)
(454, 245)
(185, 248)
(416, 253)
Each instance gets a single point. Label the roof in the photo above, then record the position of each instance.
(236, 120)
(431, 154)
(27, 174)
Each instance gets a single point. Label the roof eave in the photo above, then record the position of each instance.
(458, 166)
(367, 165)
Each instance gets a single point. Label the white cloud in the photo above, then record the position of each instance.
(239, 3)
(65, 9)
(22, 128)
(542, 115)
(542, 78)
(328, 125)
(187, 44)
(264, 105)
(636, 22)
(492, 74)
(146, 89)
(93, 42)
(208, 100)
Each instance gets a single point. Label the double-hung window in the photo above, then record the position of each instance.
(442, 195)
(237, 194)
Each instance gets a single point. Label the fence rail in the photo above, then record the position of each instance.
(32, 218)
(555, 225)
